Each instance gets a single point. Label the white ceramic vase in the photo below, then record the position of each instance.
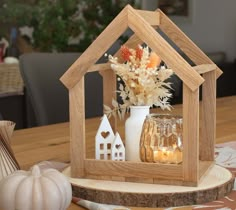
(133, 129)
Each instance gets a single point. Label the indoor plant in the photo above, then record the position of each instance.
(60, 25)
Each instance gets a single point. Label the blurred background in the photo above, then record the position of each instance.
(58, 26)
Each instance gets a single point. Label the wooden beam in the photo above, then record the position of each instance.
(77, 129)
(190, 135)
(184, 42)
(204, 167)
(133, 169)
(204, 68)
(109, 92)
(152, 17)
(155, 41)
(208, 123)
(100, 67)
(201, 69)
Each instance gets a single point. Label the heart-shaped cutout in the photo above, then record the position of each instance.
(118, 146)
(105, 134)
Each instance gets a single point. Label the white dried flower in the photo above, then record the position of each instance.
(143, 77)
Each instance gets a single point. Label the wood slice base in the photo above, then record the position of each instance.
(217, 183)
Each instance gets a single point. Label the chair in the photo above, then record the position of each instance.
(46, 97)
(1, 117)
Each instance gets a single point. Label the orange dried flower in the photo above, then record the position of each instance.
(125, 53)
(141, 86)
(154, 60)
(139, 52)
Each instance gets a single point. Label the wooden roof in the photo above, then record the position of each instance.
(141, 23)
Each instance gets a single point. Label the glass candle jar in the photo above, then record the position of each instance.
(161, 139)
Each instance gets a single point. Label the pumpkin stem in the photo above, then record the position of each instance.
(35, 170)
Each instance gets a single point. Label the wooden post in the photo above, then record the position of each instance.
(109, 92)
(77, 129)
(190, 135)
(208, 124)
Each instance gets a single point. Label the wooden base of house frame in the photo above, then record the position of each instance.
(198, 148)
(216, 184)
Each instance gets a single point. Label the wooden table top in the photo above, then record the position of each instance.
(51, 142)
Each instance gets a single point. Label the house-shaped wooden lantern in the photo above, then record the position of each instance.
(198, 147)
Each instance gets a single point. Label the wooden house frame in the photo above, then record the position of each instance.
(198, 148)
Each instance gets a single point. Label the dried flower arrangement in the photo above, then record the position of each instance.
(144, 80)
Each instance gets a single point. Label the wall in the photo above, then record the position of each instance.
(212, 25)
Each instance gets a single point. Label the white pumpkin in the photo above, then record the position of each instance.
(35, 190)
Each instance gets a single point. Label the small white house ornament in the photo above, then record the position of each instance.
(104, 139)
(118, 149)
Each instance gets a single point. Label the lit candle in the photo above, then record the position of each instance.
(171, 158)
(178, 155)
(157, 156)
(164, 156)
